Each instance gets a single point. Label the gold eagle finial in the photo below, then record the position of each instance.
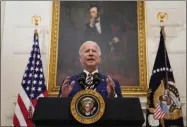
(36, 20)
(162, 16)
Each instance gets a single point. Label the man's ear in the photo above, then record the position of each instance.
(100, 59)
(80, 59)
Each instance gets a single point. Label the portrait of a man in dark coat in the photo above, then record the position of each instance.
(112, 25)
(101, 29)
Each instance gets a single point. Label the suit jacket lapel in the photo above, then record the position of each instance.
(101, 84)
(77, 87)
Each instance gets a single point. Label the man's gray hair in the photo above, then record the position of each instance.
(87, 42)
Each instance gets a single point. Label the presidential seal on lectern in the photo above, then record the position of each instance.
(87, 106)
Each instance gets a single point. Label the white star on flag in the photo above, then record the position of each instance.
(41, 76)
(33, 88)
(23, 81)
(28, 81)
(35, 75)
(39, 88)
(32, 68)
(30, 75)
(36, 69)
(34, 82)
(40, 82)
(37, 62)
(27, 88)
(38, 56)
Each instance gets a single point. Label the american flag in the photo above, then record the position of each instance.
(32, 87)
(159, 112)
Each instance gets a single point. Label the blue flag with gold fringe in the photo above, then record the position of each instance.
(163, 100)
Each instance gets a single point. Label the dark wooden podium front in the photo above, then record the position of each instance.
(119, 112)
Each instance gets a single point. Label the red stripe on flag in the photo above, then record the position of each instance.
(24, 111)
(45, 93)
(158, 113)
(157, 108)
(163, 115)
(16, 121)
(34, 101)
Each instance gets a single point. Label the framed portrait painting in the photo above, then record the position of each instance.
(119, 30)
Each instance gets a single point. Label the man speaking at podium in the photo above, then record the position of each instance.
(90, 78)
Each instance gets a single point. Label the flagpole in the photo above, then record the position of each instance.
(163, 33)
(163, 16)
(35, 19)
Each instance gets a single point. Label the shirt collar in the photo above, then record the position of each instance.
(96, 71)
(98, 19)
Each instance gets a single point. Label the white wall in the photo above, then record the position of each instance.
(16, 47)
(2, 17)
(18, 36)
(175, 29)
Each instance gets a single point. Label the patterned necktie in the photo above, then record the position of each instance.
(89, 79)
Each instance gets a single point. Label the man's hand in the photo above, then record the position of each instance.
(115, 39)
(110, 87)
(66, 87)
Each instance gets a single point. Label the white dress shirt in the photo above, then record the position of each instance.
(97, 25)
(96, 71)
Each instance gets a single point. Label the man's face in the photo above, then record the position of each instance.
(93, 12)
(90, 55)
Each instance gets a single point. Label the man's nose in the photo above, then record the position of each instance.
(90, 53)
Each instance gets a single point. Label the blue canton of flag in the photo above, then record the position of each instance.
(32, 87)
(34, 73)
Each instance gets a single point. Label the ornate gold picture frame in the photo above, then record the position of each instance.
(139, 90)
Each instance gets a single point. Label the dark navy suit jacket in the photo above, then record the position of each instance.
(101, 88)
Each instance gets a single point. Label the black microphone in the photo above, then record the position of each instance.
(82, 80)
(96, 79)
